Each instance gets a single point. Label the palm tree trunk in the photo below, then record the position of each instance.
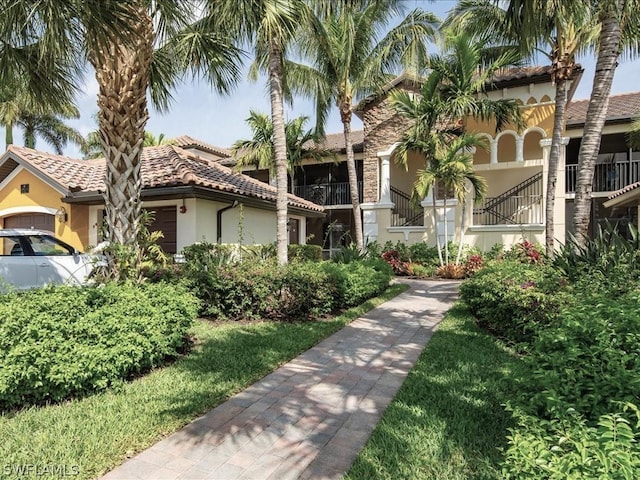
(8, 134)
(122, 71)
(435, 224)
(353, 177)
(462, 225)
(29, 138)
(554, 158)
(608, 52)
(280, 148)
(446, 232)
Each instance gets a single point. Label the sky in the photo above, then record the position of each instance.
(201, 113)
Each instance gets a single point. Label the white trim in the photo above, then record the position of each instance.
(407, 230)
(506, 165)
(31, 209)
(389, 151)
(376, 206)
(513, 133)
(535, 128)
(507, 228)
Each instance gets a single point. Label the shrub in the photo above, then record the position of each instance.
(420, 271)
(65, 342)
(570, 448)
(400, 248)
(526, 252)
(350, 253)
(357, 281)
(451, 271)
(424, 254)
(512, 298)
(304, 253)
(607, 255)
(473, 265)
(394, 259)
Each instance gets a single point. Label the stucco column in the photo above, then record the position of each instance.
(519, 148)
(494, 151)
(385, 175)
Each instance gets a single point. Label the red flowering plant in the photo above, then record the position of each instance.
(400, 267)
(526, 252)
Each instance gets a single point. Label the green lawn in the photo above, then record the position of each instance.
(446, 421)
(92, 435)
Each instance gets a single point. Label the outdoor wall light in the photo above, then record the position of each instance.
(61, 215)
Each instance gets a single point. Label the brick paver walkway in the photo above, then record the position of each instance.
(311, 417)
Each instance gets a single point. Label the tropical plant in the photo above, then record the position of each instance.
(349, 59)
(450, 94)
(20, 108)
(557, 30)
(150, 140)
(118, 39)
(259, 151)
(268, 26)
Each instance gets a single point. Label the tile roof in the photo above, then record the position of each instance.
(624, 190)
(185, 141)
(621, 107)
(161, 166)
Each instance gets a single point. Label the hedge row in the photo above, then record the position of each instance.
(296, 291)
(66, 341)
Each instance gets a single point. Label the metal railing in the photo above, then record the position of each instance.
(405, 213)
(327, 193)
(607, 177)
(521, 204)
(513, 210)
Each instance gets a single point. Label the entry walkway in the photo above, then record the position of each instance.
(311, 417)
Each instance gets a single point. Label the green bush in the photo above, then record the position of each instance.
(358, 281)
(569, 448)
(424, 254)
(305, 253)
(66, 342)
(512, 299)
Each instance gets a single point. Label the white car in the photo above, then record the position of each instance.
(35, 258)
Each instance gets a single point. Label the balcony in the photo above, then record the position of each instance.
(327, 194)
(608, 177)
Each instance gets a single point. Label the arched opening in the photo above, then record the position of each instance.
(507, 147)
(482, 154)
(531, 147)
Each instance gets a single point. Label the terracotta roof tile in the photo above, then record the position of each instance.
(621, 107)
(624, 190)
(161, 166)
(185, 141)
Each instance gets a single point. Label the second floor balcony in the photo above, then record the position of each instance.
(327, 194)
(607, 177)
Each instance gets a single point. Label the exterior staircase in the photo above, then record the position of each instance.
(520, 204)
(405, 213)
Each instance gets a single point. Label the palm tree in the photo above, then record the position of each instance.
(269, 27)
(150, 140)
(350, 59)
(51, 128)
(118, 39)
(618, 21)
(452, 92)
(562, 31)
(259, 151)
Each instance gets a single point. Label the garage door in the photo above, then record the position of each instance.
(165, 221)
(38, 221)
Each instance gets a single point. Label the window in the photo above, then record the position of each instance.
(11, 246)
(43, 245)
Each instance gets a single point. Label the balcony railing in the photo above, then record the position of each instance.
(607, 177)
(327, 193)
